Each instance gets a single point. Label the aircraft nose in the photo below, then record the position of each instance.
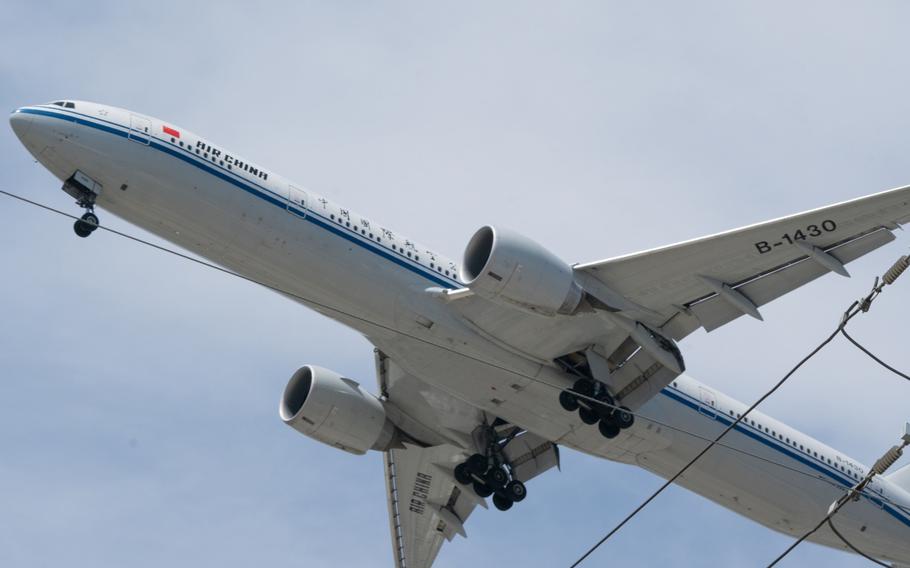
(21, 123)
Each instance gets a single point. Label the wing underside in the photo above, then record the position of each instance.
(427, 506)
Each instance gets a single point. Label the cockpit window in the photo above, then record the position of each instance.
(58, 103)
(70, 105)
(64, 104)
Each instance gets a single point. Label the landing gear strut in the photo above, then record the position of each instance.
(595, 406)
(490, 473)
(85, 190)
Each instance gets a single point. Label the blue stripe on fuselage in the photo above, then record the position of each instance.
(253, 189)
(682, 398)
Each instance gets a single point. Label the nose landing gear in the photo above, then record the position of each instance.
(85, 190)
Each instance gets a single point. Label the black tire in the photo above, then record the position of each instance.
(587, 416)
(584, 387)
(476, 465)
(624, 417)
(497, 478)
(568, 401)
(82, 228)
(462, 475)
(605, 409)
(516, 491)
(482, 489)
(604, 396)
(502, 502)
(608, 427)
(91, 220)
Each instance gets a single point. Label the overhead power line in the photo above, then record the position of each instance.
(853, 548)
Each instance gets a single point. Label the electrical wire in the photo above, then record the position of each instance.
(853, 548)
(851, 312)
(843, 500)
(872, 355)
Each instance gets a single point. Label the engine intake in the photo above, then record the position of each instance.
(333, 409)
(507, 267)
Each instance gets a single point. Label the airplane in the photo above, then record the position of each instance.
(486, 367)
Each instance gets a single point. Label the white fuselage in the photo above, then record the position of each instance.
(355, 271)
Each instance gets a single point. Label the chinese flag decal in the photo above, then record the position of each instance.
(171, 131)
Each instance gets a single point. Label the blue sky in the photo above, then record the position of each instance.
(139, 393)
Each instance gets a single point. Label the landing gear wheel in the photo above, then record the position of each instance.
(81, 229)
(584, 387)
(568, 401)
(624, 417)
(476, 464)
(516, 491)
(497, 478)
(86, 225)
(462, 475)
(605, 409)
(501, 502)
(482, 489)
(588, 416)
(608, 428)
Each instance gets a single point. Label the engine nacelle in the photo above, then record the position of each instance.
(336, 411)
(506, 267)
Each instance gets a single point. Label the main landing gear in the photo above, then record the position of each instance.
(595, 406)
(490, 473)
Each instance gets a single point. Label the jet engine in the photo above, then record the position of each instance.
(336, 411)
(506, 267)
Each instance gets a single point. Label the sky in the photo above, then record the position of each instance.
(139, 392)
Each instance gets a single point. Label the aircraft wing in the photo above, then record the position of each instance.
(710, 281)
(427, 506)
(649, 299)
